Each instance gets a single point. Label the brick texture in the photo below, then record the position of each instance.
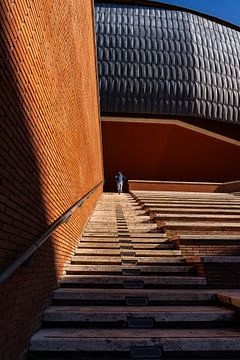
(50, 149)
(171, 186)
(218, 275)
(207, 248)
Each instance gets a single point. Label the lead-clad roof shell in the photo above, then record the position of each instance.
(167, 62)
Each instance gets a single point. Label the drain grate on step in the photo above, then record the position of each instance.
(133, 284)
(146, 352)
(143, 323)
(128, 253)
(136, 301)
(125, 241)
(126, 247)
(129, 262)
(131, 272)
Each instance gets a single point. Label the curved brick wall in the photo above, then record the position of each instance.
(50, 149)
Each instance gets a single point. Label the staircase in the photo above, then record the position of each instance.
(129, 294)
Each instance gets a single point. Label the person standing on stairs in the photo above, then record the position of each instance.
(119, 180)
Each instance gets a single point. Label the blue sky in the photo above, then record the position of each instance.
(228, 10)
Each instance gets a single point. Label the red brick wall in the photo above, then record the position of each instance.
(218, 274)
(50, 149)
(171, 186)
(205, 248)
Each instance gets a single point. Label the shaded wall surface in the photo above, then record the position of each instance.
(155, 60)
(50, 150)
(166, 152)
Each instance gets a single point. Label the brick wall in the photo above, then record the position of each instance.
(172, 186)
(50, 149)
(207, 248)
(219, 274)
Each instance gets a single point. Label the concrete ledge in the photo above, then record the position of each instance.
(208, 187)
(172, 186)
(199, 226)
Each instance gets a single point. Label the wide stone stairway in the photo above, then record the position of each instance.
(128, 293)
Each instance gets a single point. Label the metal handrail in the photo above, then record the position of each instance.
(5, 274)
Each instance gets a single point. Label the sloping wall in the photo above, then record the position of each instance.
(50, 149)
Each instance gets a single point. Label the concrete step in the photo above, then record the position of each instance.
(151, 236)
(97, 234)
(112, 228)
(100, 245)
(180, 194)
(179, 210)
(89, 296)
(199, 226)
(132, 281)
(188, 197)
(144, 193)
(197, 217)
(157, 252)
(164, 341)
(101, 235)
(210, 237)
(156, 246)
(118, 269)
(189, 200)
(102, 239)
(148, 240)
(125, 257)
(96, 259)
(168, 205)
(98, 252)
(145, 316)
(91, 250)
(222, 201)
(160, 255)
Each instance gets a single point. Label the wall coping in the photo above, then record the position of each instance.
(173, 182)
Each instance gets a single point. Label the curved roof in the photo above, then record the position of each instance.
(159, 61)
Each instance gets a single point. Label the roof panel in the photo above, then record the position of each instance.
(167, 62)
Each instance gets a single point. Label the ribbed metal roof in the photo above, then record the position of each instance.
(162, 61)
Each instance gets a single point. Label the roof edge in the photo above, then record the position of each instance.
(155, 4)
